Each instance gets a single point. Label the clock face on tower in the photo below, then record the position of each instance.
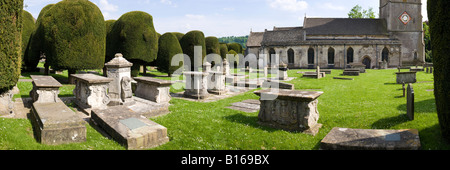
(405, 18)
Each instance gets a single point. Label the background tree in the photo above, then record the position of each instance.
(439, 17)
(236, 47)
(358, 12)
(74, 36)
(427, 40)
(168, 47)
(242, 40)
(10, 43)
(188, 42)
(179, 35)
(134, 35)
(212, 45)
(27, 31)
(37, 43)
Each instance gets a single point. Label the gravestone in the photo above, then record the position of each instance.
(129, 128)
(216, 83)
(54, 123)
(371, 139)
(351, 72)
(196, 85)
(289, 110)
(406, 77)
(152, 89)
(282, 72)
(410, 102)
(91, 91)
(277, 84)
(226, 67)
(248, 106)
(45, 89)
(359, 66)
(119, 69)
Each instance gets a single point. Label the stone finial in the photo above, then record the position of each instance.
(118, 55)
(119, 61)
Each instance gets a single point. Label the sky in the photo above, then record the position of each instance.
(222, 18)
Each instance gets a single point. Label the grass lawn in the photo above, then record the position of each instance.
(371, 101)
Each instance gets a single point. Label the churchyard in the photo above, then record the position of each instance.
(372, 100)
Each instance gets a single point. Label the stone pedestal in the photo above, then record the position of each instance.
(291, 110)
(406, 77)
(226, 67)
(155, 90)
(91, 91)
(6, 102)
(55, 123)
(282, 72)
(196, 85)
(45, 89)
(119, 69)
(216, 83)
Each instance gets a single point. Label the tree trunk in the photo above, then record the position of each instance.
(71, 79)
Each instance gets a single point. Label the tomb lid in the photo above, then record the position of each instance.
(410, 72)
(297, 95)
(92, 78)
(150, 80)
(118, 61)
(45, 81)
(56, 115)
(195, 73)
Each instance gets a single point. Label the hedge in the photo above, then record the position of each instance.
(223, 51)
(74, 36)
(168, 47)
(212, 45)
(235, 47)
(28, 29)
(188, 42)
(439, 19)
(10, 43)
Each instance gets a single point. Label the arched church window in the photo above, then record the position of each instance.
(331, 55)
(291, 56)
(385, 55)
(350, 53)
(310, 56)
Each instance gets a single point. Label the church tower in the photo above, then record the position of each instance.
(404, 22)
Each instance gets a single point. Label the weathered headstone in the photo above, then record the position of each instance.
(289, 110)
(371, 139)
(45, 89)
(226, 67)
(152, 89)
(91, 91)
(282, 72)
(410, 102)
(119, 69)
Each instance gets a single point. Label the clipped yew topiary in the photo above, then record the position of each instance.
(168, 48)
(439, 20)
(188, 42)
(212, 45)
(134, 35)
(223, 50)
(27, 31)
(108, 26)
(10, 43)
(235, 47)
(37, 44)
(179, 35)
(74, 36)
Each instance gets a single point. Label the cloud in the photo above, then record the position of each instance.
(333, 7)
(288, 5)
(196, 17)
(106, 6)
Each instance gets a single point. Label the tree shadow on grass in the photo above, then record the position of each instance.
(248, 120)
(424, 106)
(387, 123)
(431, 138)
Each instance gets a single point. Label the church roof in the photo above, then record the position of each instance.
(295, 34)
(345, 26)
(255, 39)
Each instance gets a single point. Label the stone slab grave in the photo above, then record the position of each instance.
(318, 74)
(343, 78)
(281, 85)
(232, 91)
(290, 110)
(129, 128)
(45, 89)
(410, 102)
(55, 123)
(371, 139)
(406, 77)
(351, 72)
(248, 106)
(91, 91)
(359, 66)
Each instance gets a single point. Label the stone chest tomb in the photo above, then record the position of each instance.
(289, 110)
(91, 91)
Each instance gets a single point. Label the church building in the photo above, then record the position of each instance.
(396, 37)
